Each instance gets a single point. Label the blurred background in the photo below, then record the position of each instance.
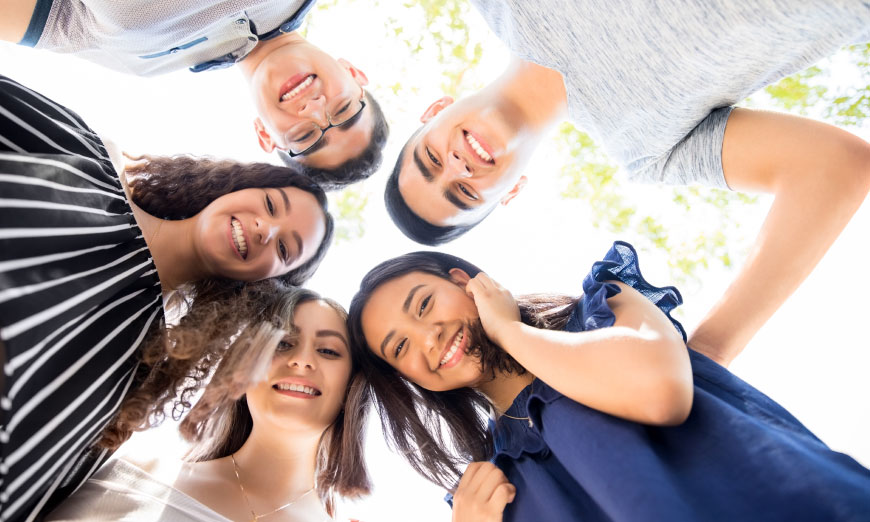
(812, 357)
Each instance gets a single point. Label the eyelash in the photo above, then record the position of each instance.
(282, 248)
(432, 158)
(285, 346)
(423, 304)
(269, 206)
(399, 349)
(467, 192)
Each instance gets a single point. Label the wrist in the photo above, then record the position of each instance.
(508, 334)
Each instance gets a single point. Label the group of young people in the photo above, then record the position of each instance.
(135, 285)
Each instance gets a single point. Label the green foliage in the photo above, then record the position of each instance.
(347, 206)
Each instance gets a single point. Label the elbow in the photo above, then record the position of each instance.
(671, 402)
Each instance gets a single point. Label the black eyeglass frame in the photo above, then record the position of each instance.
(324, 129)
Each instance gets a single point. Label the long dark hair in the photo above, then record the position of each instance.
(438, 432)
(179, 187)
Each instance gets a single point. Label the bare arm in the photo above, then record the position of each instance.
(819, 175)
(638, 369)
(15, 19)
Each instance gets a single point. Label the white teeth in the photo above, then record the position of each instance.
(296, 90)
(452, 351)
(239, 238)
(477, 148)
(296, 387)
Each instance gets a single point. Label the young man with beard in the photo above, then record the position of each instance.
(312, 108)
(655, 86)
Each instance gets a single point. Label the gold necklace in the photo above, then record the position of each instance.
(248, 502)
(531, 424)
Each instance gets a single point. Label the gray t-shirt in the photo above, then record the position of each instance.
(148, 37)
(653, 82)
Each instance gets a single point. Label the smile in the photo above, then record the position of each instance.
(455, 352)
(295, 86)
(297, 388)
(238, 235)
(478, 149)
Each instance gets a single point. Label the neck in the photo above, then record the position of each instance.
(278, 461)
(250, 62)
(170, 244)
(504, 388)
(535, 93)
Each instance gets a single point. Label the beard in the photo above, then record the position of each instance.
(491, 357)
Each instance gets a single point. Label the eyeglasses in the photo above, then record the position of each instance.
(303, 137)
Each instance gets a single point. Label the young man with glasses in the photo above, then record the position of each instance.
(294, 84)
(654, 83)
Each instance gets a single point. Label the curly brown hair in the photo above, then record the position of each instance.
(179, 187)
(231, 337)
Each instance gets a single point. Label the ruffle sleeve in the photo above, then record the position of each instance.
(619, 264)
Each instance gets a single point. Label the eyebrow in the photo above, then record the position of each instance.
(286, 200)
(299, 245)
(405, 306)
(458, 203)
(331, 333)
(424, 170)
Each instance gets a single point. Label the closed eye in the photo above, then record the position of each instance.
(432, 158)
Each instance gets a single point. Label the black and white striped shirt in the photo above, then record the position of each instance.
(78, 294)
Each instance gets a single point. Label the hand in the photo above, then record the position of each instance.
(482, 494)
(495, 305)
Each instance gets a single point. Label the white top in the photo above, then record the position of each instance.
(120, 491)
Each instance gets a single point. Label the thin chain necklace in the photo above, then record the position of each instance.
(254, 515)
(531, 424)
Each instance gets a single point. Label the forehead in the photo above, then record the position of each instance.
(318, 315)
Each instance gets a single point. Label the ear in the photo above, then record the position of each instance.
(263, 136)
(521, 184)
(459, 276)
(357, 74)
(439, 105)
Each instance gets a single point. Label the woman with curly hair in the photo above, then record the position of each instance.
(601, 412)
(271, 434)
(85, 261)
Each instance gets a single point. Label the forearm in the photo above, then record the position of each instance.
(820, 178)
(640, 374)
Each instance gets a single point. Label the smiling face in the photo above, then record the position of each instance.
(467, 157)
(417, 323)
(256, 233)
(297, 84)
(306, 383)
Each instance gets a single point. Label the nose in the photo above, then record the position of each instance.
(266, 231)
(432, 338)
(458, 166)
(301, 357)
(315, 110)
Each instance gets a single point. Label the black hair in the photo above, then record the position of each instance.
(354, 169)
(437, 432)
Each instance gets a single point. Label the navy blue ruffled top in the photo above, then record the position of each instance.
(738, 457)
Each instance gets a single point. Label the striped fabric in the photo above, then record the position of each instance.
(78, 293)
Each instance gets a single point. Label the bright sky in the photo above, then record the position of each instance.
(811, 357)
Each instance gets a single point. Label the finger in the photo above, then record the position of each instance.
(504, 494)
(492, 479)
(468, 477)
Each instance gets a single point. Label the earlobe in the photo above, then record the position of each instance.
(439, 105)
(459, 276)
(521, 184)
(263, 136)
(357, 74)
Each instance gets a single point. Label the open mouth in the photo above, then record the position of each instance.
(455, 352)
(479, 147)
(295, 86)
(238, 235)
(292, 388)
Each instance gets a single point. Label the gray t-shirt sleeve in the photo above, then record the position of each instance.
(697, 158)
